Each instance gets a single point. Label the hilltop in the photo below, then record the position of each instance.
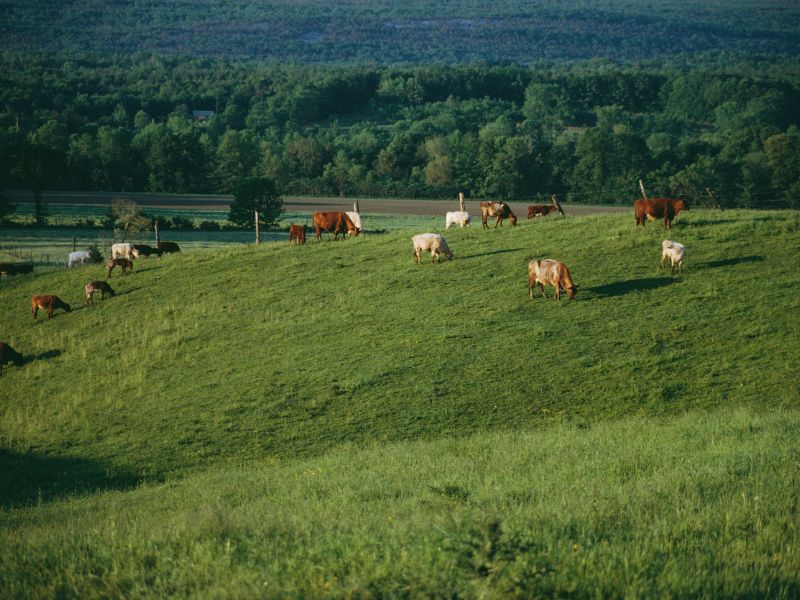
(336, 419)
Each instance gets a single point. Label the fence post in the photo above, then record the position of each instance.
(258, 238)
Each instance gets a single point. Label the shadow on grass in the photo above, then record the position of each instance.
(26, 479)
(727, 262)
(46, 355)
(488, 253)
(620, 288)
(130, 291)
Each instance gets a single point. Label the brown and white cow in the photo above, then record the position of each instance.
(550, 272)
(97, 286)
(48, 302)
(658, 208)
(501, 210)
(122, 263)
(543, 210)
(336, 222)
(298, 233)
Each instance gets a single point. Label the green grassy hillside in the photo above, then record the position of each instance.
(325, 418)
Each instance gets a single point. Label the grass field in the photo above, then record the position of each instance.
(334, 420)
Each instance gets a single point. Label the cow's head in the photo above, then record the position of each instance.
(571, 291)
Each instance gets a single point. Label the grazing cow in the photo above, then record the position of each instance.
(658, 208)
(501, 210)
(298, 233)
(145, 250)
(675, 252)
(122, 263)
(80, 257)
(97, 286)
(543, 210)
(336, 221)
(15, 268)
(167, 248)
(125, 250)
(50, 303)
(433, 242)
(9, 355)
(550, 272)
(457, 217)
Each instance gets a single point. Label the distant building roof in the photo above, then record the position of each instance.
(202, 115)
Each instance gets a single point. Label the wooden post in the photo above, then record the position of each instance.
(355, 206)
(74, 243)
(258, 235)
(461, 201)
(556, 204)
(155, 226)
(641, 186)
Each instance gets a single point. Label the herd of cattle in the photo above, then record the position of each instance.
(540, 272)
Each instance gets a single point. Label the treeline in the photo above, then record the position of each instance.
(584, 131)
(409, 32)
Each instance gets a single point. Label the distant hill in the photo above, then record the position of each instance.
(312, 31)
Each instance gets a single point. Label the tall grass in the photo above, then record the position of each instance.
(703, 505)
(175, 409)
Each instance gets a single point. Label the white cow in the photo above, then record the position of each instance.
(80, 257)
(458, 217)
(124, 251)
(355, 218)
(433, 242)
(675, 252)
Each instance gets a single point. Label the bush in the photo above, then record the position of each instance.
(95, 256)
(209, 226)
(181, 223)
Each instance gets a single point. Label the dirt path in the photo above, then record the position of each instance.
(296, 204)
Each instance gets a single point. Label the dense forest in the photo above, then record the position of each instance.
(409, 32)
(586, 131)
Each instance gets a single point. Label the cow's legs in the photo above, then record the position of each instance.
(541, 289)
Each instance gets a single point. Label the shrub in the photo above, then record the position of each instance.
(95, 256)
(179, 222)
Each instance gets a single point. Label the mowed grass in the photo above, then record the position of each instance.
(334, 418)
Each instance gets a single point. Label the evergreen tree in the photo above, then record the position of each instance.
(256, 193)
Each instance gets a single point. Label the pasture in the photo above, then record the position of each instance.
(335, 420)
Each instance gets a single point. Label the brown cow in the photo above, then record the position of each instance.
(122, 263)
(336, 221)
(167, 248)
(550, 272)
(501, 210)
(658, 208)
(145, 250)
(9, 355)
(50, 303)
(97, 286)
(297, 232)
(542, 210)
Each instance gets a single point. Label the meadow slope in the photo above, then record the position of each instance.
(217, 375)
